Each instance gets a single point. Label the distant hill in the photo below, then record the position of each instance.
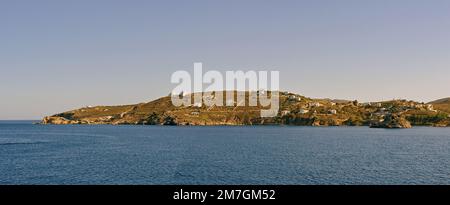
(442, 104)
(441, 101)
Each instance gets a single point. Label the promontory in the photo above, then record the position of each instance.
(294, 109)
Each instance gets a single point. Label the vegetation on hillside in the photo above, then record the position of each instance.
(294, 110)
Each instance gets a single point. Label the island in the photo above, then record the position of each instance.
(295, 109)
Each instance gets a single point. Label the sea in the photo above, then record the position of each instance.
(223, 155)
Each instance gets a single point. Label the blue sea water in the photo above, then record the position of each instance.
(104, 154)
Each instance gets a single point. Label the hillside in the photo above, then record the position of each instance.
(441, 101)
(442, 104)
(294, 110)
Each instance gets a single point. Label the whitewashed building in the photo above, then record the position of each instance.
(294, 97)
(303, 111)
(315, 104)
(285, 112)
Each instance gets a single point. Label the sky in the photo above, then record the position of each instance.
(58, 55)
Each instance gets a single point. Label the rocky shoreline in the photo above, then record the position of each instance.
(392, 121)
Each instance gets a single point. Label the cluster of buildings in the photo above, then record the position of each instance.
(382, 109)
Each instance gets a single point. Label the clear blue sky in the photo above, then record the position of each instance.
(60, 55)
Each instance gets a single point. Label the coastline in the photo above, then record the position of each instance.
(294, 109)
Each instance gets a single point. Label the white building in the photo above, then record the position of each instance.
(418, 106)
(294, 97)
(303, 111)
(315, 104)
(285, 112)
(333, 112)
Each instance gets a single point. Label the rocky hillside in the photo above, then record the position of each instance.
(294, 110)
(442, 104)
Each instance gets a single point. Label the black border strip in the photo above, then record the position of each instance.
(289, 193)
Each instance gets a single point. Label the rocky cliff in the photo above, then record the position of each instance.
(392, 121)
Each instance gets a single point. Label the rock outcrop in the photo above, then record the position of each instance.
(392, 121)
(58, 120)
